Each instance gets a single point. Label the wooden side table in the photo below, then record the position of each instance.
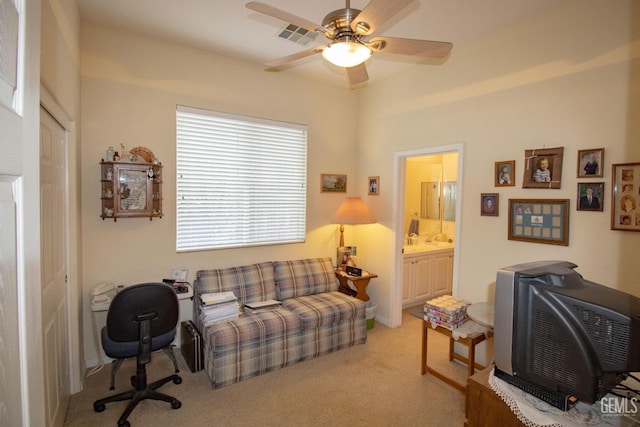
(470, 341)
(484, 408)
(360, 284)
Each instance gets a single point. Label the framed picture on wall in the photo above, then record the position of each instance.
(539, 221)
(374, 185)
(504, 173)
(590, 163)
(333, 183)
(625, 197)
(590, 196)
(543, 168)
(489, 204)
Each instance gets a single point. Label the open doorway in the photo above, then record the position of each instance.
(401, 217)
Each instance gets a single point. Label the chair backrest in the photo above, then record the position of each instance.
(157, 301)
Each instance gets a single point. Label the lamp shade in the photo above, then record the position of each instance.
(353, 211)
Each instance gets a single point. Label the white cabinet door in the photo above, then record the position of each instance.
(442, 275)
(423, 268)
(407, 280)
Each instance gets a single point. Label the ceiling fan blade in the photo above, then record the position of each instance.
(424, 48)
(276, 64)
(376, 13)
(357, 74)
(265, 9)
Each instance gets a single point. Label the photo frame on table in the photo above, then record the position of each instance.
(179, 274)
(539, 221)
(590, 196)
(590, 163)
(625, 197)
(344, 255)
(333, 183)
(543, 168)
(489, 203)
(374, 185)
(504, 173)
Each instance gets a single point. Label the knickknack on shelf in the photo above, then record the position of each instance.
(131, 188)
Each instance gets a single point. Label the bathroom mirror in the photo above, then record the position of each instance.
(449, 203)
(430, 200)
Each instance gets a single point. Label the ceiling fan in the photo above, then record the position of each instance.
(350, 33)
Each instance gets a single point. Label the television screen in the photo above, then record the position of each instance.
(562, 336)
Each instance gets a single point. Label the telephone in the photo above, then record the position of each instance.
(103, 293)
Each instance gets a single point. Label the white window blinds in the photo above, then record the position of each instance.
(241, 181)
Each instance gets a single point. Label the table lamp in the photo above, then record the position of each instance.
(352, 211)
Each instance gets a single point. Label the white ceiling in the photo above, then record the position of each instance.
(228, 27)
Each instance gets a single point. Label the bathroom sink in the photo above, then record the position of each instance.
(440, 244)
(429, 246)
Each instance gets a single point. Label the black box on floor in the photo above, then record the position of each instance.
(191, 346)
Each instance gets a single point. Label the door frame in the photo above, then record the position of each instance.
(400, 159)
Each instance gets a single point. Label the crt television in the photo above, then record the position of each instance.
(561, 337)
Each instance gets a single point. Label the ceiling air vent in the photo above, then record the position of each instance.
(297, 34)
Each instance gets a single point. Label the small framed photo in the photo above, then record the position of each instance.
(539, 221)
(590, 196)
(489, 204)
(543, 168)
(333, 183)
(374, 185)
(590, 163)
(179, 275)
(505, 173)
(625, 197)
(344, 254)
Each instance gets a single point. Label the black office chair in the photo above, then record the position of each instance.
(168, 350)
(141, 319)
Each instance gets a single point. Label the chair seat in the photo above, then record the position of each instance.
(122, 350)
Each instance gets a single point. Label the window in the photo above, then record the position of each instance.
(241, 181)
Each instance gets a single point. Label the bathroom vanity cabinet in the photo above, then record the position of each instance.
(426, 275)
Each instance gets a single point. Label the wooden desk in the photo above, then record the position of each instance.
(470, 360)
(484, 407)
(360, 284)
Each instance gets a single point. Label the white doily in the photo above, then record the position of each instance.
(469, 329)
(534, 412)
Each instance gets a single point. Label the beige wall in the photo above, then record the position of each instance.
(130, 88)
(568, 77)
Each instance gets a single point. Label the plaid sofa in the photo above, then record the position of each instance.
(314, 318)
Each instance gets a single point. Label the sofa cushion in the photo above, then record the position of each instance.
(253, 328)
(249, 283)
(325, 309)
(304, 277)
(251, 345)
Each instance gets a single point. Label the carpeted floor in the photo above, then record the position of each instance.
(375, 384)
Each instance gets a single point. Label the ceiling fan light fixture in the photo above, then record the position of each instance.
(346, 54)
(363, 28)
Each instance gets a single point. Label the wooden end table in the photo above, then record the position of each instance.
(470, 360)
(360, 284)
